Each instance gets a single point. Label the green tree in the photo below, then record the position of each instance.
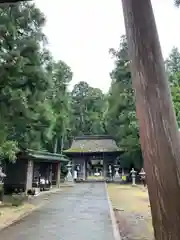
(33, 87)
(173, 71)
(173, 61)
(87, 110)
(23, 78)
(59, 99)
(121, 113)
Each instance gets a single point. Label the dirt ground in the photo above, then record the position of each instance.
(132, 211)
(9, 214)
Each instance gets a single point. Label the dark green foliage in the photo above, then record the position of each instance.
(33, 88)
(36, 109)
(173, 71)
(121, 114)
(88, 108)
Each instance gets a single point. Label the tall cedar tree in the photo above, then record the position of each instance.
(158, 127)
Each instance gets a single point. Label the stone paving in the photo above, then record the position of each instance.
(79, 214)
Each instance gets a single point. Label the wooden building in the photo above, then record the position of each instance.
(92, 155)
(29, 167)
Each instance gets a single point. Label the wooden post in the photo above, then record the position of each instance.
(58, 174)
(29, 178)
(104, 168)
(86, 172)
(84, 169)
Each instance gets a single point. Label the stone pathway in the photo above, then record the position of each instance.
(79, 214)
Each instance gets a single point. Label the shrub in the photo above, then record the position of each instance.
(18, 199)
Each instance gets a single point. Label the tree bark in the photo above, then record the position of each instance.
(158, 128)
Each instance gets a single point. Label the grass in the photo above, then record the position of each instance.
(9, 214)
(132, 210)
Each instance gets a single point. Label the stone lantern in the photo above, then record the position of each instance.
(110, 172)
(143, 176)
(69, 174)
(116, 175)
(78, 167)
(133, 175)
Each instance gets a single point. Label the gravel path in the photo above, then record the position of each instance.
(79, 214)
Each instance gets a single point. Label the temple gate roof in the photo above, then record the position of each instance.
(93, 143)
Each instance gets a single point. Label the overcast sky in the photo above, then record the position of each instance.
(80, 32)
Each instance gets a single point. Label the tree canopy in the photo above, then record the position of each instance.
(33, 86)
(38, 110)
(121, 114)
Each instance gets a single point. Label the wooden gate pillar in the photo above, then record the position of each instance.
(29, 179)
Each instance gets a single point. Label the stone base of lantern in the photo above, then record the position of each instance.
(117, 179)
(69, 181)
(133, 181)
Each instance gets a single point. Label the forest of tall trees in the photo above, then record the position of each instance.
(37, 108)
(38, 111)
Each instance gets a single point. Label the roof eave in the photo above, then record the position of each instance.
(46, 156)
(69, 151)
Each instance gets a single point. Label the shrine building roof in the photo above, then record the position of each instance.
(93, 143)
(42, 156)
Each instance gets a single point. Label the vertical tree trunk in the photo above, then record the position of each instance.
(158, 128)
(62, 143)
(56, 144)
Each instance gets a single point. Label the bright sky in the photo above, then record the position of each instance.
(80, 32)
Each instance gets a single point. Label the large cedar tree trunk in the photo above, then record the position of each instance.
(155, 113)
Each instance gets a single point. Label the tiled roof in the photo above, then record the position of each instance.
(96, 143)
(46, 156)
